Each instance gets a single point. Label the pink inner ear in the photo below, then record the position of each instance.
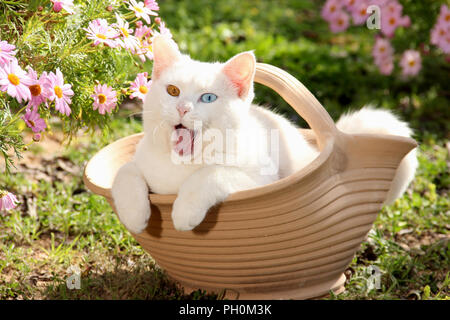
(165, 53)
(240, 72)
(158, 68)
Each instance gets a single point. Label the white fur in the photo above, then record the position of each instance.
(201, 186)
(370, 120)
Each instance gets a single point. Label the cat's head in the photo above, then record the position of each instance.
(184, 90)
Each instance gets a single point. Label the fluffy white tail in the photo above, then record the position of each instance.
(370, 120)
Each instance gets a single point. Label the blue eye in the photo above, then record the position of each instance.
(208, 97)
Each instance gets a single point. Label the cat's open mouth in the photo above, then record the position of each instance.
(184, 140)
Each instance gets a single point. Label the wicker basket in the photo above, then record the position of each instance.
(290, 239)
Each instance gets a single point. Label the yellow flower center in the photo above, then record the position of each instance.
(101, 98)
(412, 63)
(58, 92)
(392, 20)
(332, 8)
(138, 9)
(340, 22)
(143, 89)
(124, 32)
(447, 18)
(3, 193)
(101, 36)
(382, 49)
(13, 79)
(35, 90)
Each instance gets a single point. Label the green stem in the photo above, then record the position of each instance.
(16, 116)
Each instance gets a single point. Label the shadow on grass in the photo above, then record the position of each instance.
(124, 285)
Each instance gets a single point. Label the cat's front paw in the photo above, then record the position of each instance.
(135, 218)
(130, 195)
(186, 215)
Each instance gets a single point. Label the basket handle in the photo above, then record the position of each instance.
(299, 98)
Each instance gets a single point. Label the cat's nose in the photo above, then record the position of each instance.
(184, 108)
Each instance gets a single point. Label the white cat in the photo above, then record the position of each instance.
(185, 92)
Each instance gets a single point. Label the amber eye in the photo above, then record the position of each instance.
(173, 90)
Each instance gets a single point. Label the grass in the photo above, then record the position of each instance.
(60, 224)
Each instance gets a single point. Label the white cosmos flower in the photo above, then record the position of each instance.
(141, 11)
(126, 39)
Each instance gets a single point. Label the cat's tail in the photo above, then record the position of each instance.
(371, 120)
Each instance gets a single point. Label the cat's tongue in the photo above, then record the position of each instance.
(184, 140)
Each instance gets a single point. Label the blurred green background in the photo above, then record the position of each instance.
(337, 68)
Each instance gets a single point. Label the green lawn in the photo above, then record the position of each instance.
(59, 224)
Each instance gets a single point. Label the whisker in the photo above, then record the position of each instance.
(140, 112)
(157, 128)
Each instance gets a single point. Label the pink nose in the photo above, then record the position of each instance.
(183, 109)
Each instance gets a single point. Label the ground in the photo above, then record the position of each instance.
(59, 224)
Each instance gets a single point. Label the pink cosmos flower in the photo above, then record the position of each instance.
(144, 50)
(104, 98)
(383, 54)
(6, 52)
(392, 18)
(393, 7)
(350, 4)
(440, 34)
(38, 88)
(151, 4)
(411, 63)
(143, 31)
(382, 50)
(34, 121)
(339, 22)
(359, 13)
(140, 86)
(15, 81)
(330, 9)
(389, 23)
(63, 4)
(386, 66)
(59, 92)
(8, 200)
(99, 31)
(141, 11)
(126, 40)
(444, 15)
(164, 30)
(380, 3)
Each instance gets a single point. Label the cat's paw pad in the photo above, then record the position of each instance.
(186, 217)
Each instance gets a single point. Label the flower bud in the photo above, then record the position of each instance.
(157, 20)
(37, 137)
(405, 22)
(57, 6)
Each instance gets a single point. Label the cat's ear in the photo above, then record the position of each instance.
(241, 71)
(165, 53)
